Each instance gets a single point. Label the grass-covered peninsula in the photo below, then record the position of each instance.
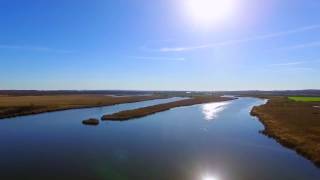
(293, 122)
(18, 105)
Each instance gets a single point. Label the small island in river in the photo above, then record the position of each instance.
(91, 122)
(145, 111)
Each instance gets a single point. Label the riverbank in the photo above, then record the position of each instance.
(293, 124)
(141, 112)
(13, 106)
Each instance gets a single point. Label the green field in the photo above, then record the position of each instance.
(305, 99)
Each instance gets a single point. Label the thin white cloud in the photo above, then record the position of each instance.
(302, 68)
(288, 69)
(298, 69)
(289, 63)
(301, 46)
(158, 58)
(238, 41)
(294, 63)
(33, 48)
(293, 66)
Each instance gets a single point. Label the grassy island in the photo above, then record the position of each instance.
(91, 122)
(141, 112)
(293, 122)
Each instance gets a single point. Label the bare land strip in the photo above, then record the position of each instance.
(294, 124)
(141, 112)
(12, 106)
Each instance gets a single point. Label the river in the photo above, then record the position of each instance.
(216, 141)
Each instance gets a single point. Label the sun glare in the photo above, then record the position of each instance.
(209, 12)
(212, 110)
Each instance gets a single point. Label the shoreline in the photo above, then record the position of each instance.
(146, 111)
(284, 135)
(27, 110)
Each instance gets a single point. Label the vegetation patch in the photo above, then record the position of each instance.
(293, 124)
(141, 112)
(92, 122)
(305, 99)
(12, 106)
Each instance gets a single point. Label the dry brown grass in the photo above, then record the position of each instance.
(91, 122)
(141, 112)
(11, 106)
(294, 124)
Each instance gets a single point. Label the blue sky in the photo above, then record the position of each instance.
(155, 45)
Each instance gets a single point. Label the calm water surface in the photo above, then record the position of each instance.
(217, 141)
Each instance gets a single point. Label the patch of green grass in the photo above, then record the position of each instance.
(305, 99)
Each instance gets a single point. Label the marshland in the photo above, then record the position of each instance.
(159, 90)
(195, 132)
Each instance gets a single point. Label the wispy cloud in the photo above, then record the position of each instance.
(302, 68)
(287, 69)
(293, 66)
(294, 63)
(238, 41)
(158, 58)
(301, 46)
(33, 48)
(289, 63)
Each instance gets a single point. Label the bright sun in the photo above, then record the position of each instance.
(209, 12)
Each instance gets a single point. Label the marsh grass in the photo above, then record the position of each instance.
(12, 106)
(294, 124)
(145, 111)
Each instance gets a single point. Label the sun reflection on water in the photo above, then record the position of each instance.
(209, 177)
(211, 110)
